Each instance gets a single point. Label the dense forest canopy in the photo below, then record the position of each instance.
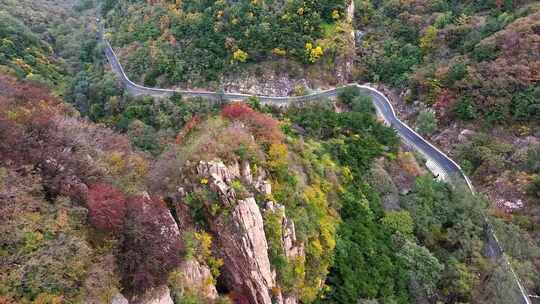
(466, 59)
(200, 40)
(105, 195)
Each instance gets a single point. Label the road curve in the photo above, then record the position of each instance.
(441, 164)
(438, 162)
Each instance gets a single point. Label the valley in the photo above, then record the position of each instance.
(269, 152)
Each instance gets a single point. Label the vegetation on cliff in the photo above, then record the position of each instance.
(235, 201)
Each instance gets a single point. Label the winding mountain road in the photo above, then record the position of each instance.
(440, 164)
(437, 161)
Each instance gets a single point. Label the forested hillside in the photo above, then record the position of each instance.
(466, 73)
(24, 53)
(468, 60)
(111, 198)
(174, 42)
(345, 213)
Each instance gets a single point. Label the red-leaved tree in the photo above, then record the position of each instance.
(237, 110)
(444, 104)
(151, 245)
(106, 207)
(263, 126)
(38, 132)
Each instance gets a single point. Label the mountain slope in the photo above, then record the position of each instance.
(191, 42)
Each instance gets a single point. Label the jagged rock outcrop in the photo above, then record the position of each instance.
(465, 135)
(220, 177)
(198, 277)
(239, 233)
(244, 249)
(290, 245)
(168, 229)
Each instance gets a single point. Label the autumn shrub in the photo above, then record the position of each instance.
(277, 160)
(44, 242)
(211, 139)
(127, 170)
(264, 127)
(106, 207)
(198, 245)
(26, 116)
(32, 133)
(237, 110)
(150, 246)
(37, 130)
(229, 143)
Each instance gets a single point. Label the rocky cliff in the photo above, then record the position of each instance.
(238, 233)
(244, 249)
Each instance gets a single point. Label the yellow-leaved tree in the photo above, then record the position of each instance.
(313, 53)
(426, 42)
(240, 55)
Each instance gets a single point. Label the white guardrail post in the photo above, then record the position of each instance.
(286, 100)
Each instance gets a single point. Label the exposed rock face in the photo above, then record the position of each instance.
(261, 184)
(264, 187)
(465, 135)
(220, 177)
(218, 171)
(158, 295)
(239, 234)
(119, 299)
(245, 252)
(198, 278)
(292, 248)
(289, 242)
(271, 84)
(246, 172)
(168, 229)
